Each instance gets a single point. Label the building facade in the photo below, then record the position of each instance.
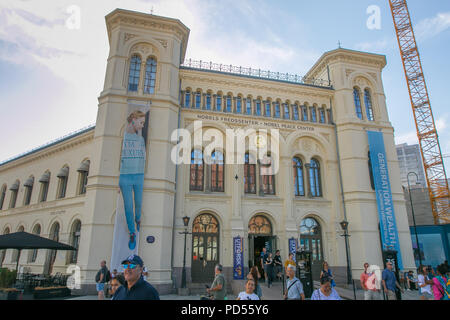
(410, 160)
(68, 190)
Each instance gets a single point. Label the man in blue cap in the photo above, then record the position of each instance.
(135, 288)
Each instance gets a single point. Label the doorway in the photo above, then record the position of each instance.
(259, 237)
(311, 240)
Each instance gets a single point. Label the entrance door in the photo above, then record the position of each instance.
(205, 248)
(260, 236)
(311, 240)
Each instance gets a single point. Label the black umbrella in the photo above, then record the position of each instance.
(25, 240)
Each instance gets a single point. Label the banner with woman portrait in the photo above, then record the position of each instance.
(133, 160)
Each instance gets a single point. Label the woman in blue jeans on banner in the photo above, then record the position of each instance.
(132, 166)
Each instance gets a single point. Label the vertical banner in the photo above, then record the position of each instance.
(131, 184)
(238, 259)
(293, 247)
(388, 226)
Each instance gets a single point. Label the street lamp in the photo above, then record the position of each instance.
(412, 212)
(185, 232)
(344, 226)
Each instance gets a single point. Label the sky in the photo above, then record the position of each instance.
(53, 54)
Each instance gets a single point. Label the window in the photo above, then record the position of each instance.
(248, 109)
(314, 178)
(295, 108)
(196, 177)
(28, 190)
(187, 99)
(208, 102)
(63, 176)
(372, 181)
(75, 241)
(45, 181)
(14, 191)
(15, 255)
(198, 100)
(135, 71)
(304, 113)
(258, 108)
(229, 104)
(286, 111)
(3, 252)
(322, 115)
(249, 174)
(2, 196)
(259, 225)
(36, 231)
(313, 114)
(368, 103)
(150, 76)
(298, 177)
(267, 112)
(277, 109)
(217, 172)
(357, 98)
(267, 175)
(239, 105)
(83, 179)
(219, 103)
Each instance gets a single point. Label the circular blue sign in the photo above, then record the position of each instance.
(150, 239)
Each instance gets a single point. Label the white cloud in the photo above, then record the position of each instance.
(408, 137)
(374, 46)
(431, 27)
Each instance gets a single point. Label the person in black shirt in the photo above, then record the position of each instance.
(135, 288)
(278, 265)
(101, 279)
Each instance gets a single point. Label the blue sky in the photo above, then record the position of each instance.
(51, 74)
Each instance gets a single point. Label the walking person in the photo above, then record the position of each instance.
(368, 284)
(255, 276)
(424, 284)
(289, 261)
(249, 293)
(269, 269)
(326, 273)
(264, 256)
(101, 278)
(440, 287)
(294, 287)
(390, 283)
(136, 288)
(325, 292)
(218, 288)
(277, 265)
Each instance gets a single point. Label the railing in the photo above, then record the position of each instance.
(256, 73)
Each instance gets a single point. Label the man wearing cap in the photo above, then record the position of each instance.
(136, 288)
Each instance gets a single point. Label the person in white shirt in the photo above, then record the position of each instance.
(425, 283)
(248, 294)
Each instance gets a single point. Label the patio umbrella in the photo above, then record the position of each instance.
(25, 240)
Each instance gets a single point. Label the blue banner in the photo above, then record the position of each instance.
(388, 227)
(293, 247)
(238, 259)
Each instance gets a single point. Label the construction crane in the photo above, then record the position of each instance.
(423, 115)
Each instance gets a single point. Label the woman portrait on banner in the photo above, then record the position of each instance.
(132, 167)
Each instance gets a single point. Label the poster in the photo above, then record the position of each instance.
(238, 259)
(293, 247)
(133, 160)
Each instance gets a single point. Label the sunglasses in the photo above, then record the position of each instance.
(131, 266)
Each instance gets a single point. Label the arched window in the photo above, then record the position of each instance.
(287, 114)
(322, 115)
(51, 254)
(313, 114)
(196, 176)
(2, 196)
(295, 111)
(28, 190)
(63, 176)
(135, 71)
(304, 113)
(311, 240)
(239, 104)
(267, 175)
(249, 174)
(217, 172)
(150, 76)
(34, 252)
(3, 252)
(268, 111)
(83, 179)
(198, 100)
(75, 233)
(368, 103)
(277, 109)
(15, 255)
(372, 181)
(314, 178)
(229, 106)
(259, 225)
(187, 99)
(357, 99)
(219, 103)
(208, 101)
(258, 108)
(248, 109)
(45, 182)
(14, 191)
(298, 177)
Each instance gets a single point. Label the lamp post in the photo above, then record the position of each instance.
(185, 232)
(344, 226)
(412, 213)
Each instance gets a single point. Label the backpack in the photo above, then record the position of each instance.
(445, 287)
(97, 276)
(108, 276)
